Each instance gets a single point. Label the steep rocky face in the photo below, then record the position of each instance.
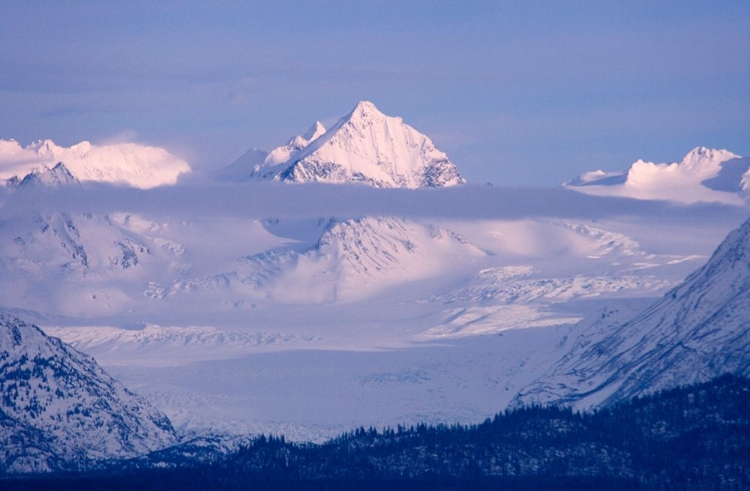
(365, 147)
(697, 331)
(60, 411)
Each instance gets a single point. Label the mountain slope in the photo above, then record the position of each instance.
(61, 411)
(355, 258)
(703, 175)
(365, 147)
(697, 331)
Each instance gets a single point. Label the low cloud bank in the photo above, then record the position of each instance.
(266, 200)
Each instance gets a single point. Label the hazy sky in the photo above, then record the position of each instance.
(515, 92)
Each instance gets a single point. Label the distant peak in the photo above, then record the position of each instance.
(57, 176)
(314, 132)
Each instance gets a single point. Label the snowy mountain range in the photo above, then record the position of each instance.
(130, 164)
(703, 175)
(371, 318)
(364, 147)
(61, 411)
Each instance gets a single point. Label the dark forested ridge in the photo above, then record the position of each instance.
(695, 437)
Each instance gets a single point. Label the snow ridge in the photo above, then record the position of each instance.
(356, 257)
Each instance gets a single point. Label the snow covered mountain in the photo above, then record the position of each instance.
(697, 331)
(703, 175)
(125, 163)
(61, 411)
(365, 147)
(356, 258)
(62, 259)
(59, 175)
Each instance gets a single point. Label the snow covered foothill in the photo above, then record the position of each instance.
(703, 175)
(66, 412)
(131, 164)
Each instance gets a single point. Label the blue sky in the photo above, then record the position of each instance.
(517, 93)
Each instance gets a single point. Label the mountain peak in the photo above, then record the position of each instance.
(131, 164)
(315, 131)
(701, 156)
(365, 110)
(57, 176)
(365, 147)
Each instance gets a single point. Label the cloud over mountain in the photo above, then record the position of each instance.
(132, 164)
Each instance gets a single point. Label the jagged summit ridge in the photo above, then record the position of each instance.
(365, 147)
(697, 331)
(61, 400)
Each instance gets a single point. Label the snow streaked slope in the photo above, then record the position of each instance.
(62, 401)
(125, 163)
(73, 264)
(703, 175)
(365, 147)
(696, 332)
